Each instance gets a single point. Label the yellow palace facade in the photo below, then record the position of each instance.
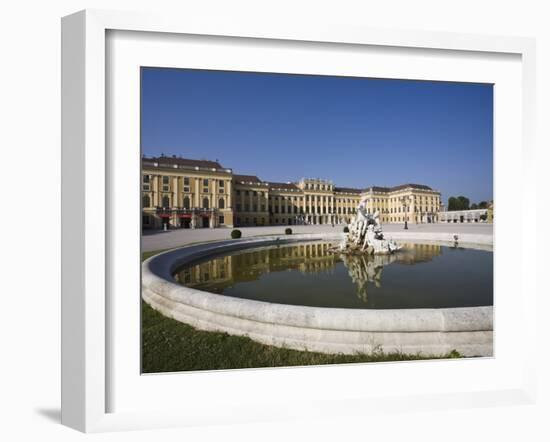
(185, 193)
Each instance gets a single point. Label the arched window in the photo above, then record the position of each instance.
(221, 203)
(186, 203)
(166, 201)
(146, 201)
(205, 203)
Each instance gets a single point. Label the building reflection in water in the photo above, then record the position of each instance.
(222, 272)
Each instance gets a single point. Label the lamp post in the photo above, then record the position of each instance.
(405, 202)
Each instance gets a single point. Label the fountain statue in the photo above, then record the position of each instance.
(365, 235)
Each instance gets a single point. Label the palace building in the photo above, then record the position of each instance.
(185, 193)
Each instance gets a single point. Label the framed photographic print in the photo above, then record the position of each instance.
(260, 218)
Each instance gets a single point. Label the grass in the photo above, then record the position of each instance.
(169, 345)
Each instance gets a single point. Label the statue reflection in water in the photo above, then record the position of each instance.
(364, 269)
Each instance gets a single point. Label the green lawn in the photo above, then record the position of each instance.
(169, 345)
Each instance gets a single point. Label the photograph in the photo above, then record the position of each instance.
(298, 220)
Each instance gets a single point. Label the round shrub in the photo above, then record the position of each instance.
(288, 231)
(235, 234)
(346, 229)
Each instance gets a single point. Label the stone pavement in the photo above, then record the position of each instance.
(159, 240)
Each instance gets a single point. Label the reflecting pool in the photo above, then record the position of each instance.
(418, 276)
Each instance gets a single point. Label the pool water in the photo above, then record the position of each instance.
(308, 274)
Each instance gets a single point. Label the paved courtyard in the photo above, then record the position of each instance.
(159, 240)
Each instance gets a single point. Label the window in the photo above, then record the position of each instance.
(246, 207)
(186, 203)
(186, 185)
(145, 220)
(221, 219)
(255, 208)
(221, 203)
(165, 201)
(146, 182)
(146, 201)
(165, 183)
(221, 186)
(239, 207)
(263, 207)
(205, 203)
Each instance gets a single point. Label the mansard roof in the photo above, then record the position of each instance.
(414, 186)
(175, 160)
(247, 178)
(396, 188)
(284, 186)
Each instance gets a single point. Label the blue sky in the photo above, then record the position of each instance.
(356, 131)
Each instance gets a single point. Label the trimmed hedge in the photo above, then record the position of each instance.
(288, 231)
(346, 229)
(235, 234)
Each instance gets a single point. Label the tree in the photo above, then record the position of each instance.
(452, 205)
(458, 203)
(473, 206)
(463, 203)
(483, 205)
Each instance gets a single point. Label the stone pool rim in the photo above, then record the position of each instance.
(324, 329)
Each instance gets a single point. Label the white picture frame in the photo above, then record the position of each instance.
(86, 258)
